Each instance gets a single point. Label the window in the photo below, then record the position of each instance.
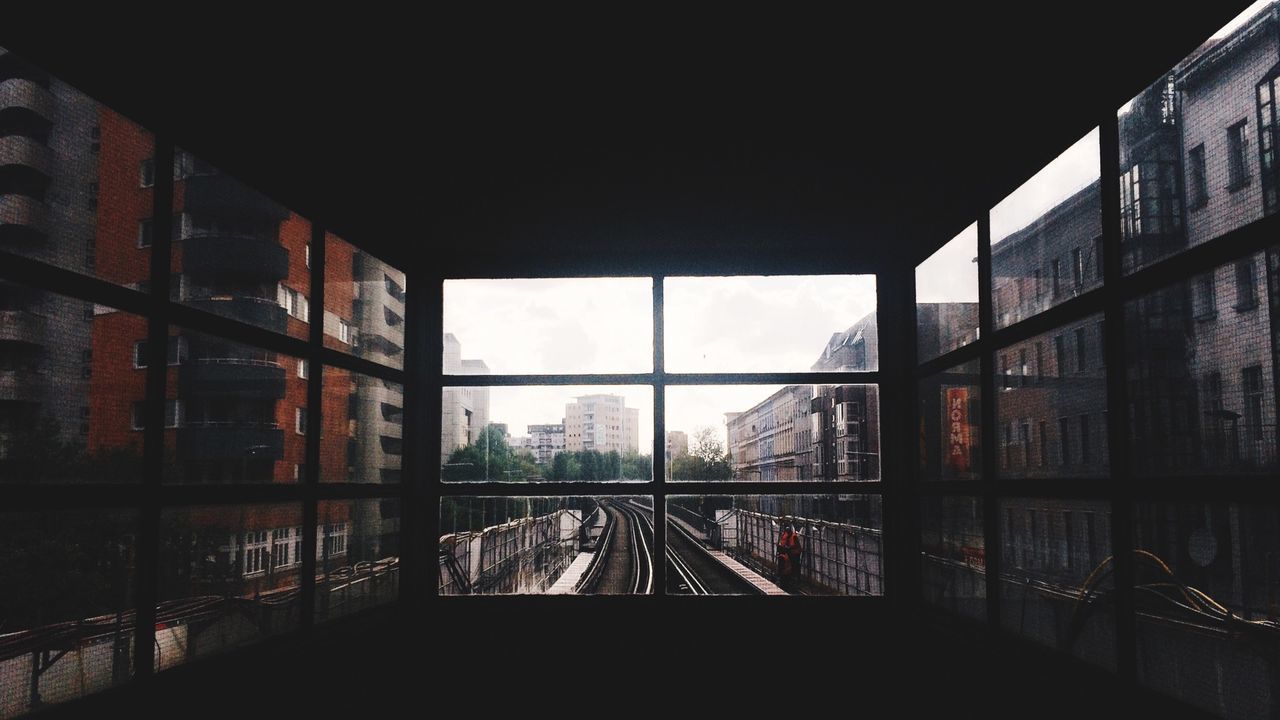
(1199, 189)
(1204, 297)
(172, 414)
(1064, 442)
(1060, 355)
(1251, 381)
(144, 233)
(1246, 285)
(1077, 268)
(1057, 275)
(1237, 156)
(1044, 444)
(281, 544)
(1081, 350)
(147, 173)
(1084, 440)
(300, 420)
(302, 368)
(257, 553)
(344, 332)
(177, 351)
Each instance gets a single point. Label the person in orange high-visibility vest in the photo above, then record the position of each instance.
(789, 550)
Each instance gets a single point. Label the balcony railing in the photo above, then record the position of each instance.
(19, 150)
(230, 441)
(262, 312)
(21, 386)
(235, 256)
(233, 377)
(223, 195)
(24, 215)
(22, 326)
(23, 93)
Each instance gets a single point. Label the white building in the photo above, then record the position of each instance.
(601, 422)
(464, 410)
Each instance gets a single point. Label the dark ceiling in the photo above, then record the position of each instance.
(623, 142)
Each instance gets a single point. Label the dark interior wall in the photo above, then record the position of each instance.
(831, 159)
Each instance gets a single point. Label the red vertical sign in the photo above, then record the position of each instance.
(957, 443)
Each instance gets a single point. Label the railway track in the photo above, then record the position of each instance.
(624, 562)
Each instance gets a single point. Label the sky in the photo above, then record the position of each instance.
(593, 325)
(951, 273)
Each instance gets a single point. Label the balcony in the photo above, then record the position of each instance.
(23, 216)
(19, 150)
(22, 93)
(235, 256)
(231, 441)
(233, 377)
(223, 195)
(22, 326)
(21, 386)
(262, 312)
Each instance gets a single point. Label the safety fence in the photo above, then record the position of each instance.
(837, 558)
(521, 556)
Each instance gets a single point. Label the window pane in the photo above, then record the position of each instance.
(774, 545)
(1197, 147)
(67, 605)
(363, 434)
(1045, 237)
(546, 545)
(222, 583)
(1202, 380)
(357, 555)
(562, 325)
(770, 324)
(73, 189)
(68, 384)
(1051, 403)
(947, 297)
(547, 432)
(773, 433)
(1197, 562)
(236, 252)
(950, 431)
(953, 555)
(1049, 591)
(363, 304)
(241, 414)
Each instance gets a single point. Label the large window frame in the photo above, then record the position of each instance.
(1122, 487)
(659, 487)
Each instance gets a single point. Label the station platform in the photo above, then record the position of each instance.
(757, 580)
(568, 580)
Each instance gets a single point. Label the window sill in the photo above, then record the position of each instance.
(1238, 186)
(1246, 308)
(1205, 317)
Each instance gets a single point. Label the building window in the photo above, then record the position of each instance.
(257, 552)
(172, 414)
(1060, 354)
(1064, 442)
(144, 233)
(302, 368)
(1098, 258)
(300, 421)
(1044, 444)
(1077, 268)
(1251, 380)
(1056, 276)
(147, 173)
(1081, 350)
(344, 331)
(1203, 301)
(281, 542)
(1246, 285)
(176, 355)
(1024, 435)
(334, 541)
(1084, 440)
(1237, 156)
(294, 303)
(1267, 143)
(1199, 189)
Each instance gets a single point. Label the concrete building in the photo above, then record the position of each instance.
(603, 423)
(854, 350)
(677, 446)
(546, 441)
(49, 185)
(464, 410)
(771, 441)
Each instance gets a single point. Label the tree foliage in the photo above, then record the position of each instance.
(707, 459)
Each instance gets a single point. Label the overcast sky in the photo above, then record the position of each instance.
(588, 325)
(951, 273)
